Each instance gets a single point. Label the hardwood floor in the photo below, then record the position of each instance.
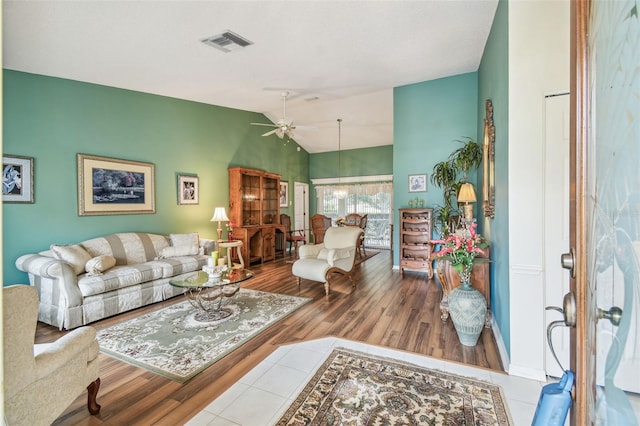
(385, 310)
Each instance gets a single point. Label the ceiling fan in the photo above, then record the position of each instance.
(282, 126)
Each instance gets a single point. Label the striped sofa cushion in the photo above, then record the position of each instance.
(128, 248)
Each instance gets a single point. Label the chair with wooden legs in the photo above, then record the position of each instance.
(336, 255)
(292, 237)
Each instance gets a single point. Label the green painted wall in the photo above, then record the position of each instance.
(54, 119)
(429, 118)
(353, 162)
(493, 83)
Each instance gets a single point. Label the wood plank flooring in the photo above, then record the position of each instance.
(385, 310)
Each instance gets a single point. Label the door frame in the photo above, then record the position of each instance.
(301, 189)
(583, 336)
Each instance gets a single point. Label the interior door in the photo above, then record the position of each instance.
(556, 224)
(301, 207)
(604, 346)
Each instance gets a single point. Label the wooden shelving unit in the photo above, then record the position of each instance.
(254, 209)
(415, 237)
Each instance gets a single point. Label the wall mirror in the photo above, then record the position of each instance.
(489, 156)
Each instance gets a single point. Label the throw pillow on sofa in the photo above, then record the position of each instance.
(73, 254)
(99, 264)
(182, 245)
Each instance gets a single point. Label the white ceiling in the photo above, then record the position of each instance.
(348, 54)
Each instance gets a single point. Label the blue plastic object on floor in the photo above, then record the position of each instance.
(554, 402)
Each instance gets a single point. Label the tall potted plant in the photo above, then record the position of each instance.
(450, 175)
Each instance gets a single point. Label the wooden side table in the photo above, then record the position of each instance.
(229, 245)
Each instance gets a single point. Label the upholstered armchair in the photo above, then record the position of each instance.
(336, 255)
(42, 380)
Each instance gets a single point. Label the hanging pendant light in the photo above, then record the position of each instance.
(340, 193)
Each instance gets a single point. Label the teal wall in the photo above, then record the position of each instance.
(493, 83)
(353, 162)
(52, 120)
(429, 118)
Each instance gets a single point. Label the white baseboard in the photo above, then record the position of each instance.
(528, 373)
(502, 349)
(514, 370)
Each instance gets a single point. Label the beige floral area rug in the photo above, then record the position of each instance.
(352, 388)
(180, 340)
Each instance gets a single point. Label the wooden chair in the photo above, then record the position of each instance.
(292, 237)
(363, 225)
(319, 225)
(354, 219)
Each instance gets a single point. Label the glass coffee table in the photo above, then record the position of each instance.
(208, 293)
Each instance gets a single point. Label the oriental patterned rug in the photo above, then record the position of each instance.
(353, 388)
(180, 341)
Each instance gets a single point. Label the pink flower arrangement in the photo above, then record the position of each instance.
(461, 251)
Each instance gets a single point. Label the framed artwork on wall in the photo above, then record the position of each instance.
(284, 194)
(108, 186)
(188, 190)
(418, 183)
(17, 179)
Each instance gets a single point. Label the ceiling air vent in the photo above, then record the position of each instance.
(228, 41)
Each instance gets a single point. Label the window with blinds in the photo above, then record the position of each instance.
(373, 199)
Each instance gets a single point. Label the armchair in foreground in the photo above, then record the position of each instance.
(336, 254)
(42, 380)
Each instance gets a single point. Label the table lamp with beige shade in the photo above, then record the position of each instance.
(467, 195)
(220, 215)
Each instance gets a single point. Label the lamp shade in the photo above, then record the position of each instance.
(219, 215)
(467, 194)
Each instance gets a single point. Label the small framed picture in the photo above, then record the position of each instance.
(417, 183)
(188, 191)
(284, 194)
(17, 179)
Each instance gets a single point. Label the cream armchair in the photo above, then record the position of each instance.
(42, 380)
(336, 254)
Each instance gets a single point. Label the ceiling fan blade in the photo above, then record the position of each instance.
(264, 124)
(269, 133)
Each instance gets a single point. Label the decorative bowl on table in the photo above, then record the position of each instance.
(214, 272)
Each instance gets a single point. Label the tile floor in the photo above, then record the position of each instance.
(265, 393)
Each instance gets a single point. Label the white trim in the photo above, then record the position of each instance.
(502, 348)
(527, 373)
(354, 179)
(524, 269)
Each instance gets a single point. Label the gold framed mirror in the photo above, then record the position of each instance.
(489, 156)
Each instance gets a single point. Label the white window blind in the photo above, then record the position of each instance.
(373, 199)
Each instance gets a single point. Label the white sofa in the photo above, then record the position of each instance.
(81, 283)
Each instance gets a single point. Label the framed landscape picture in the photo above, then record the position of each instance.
(188, 191)
(417, 183)
(108, 186)
(17, 179)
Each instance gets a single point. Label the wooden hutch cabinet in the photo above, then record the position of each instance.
(415, 237)
(254, 206)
